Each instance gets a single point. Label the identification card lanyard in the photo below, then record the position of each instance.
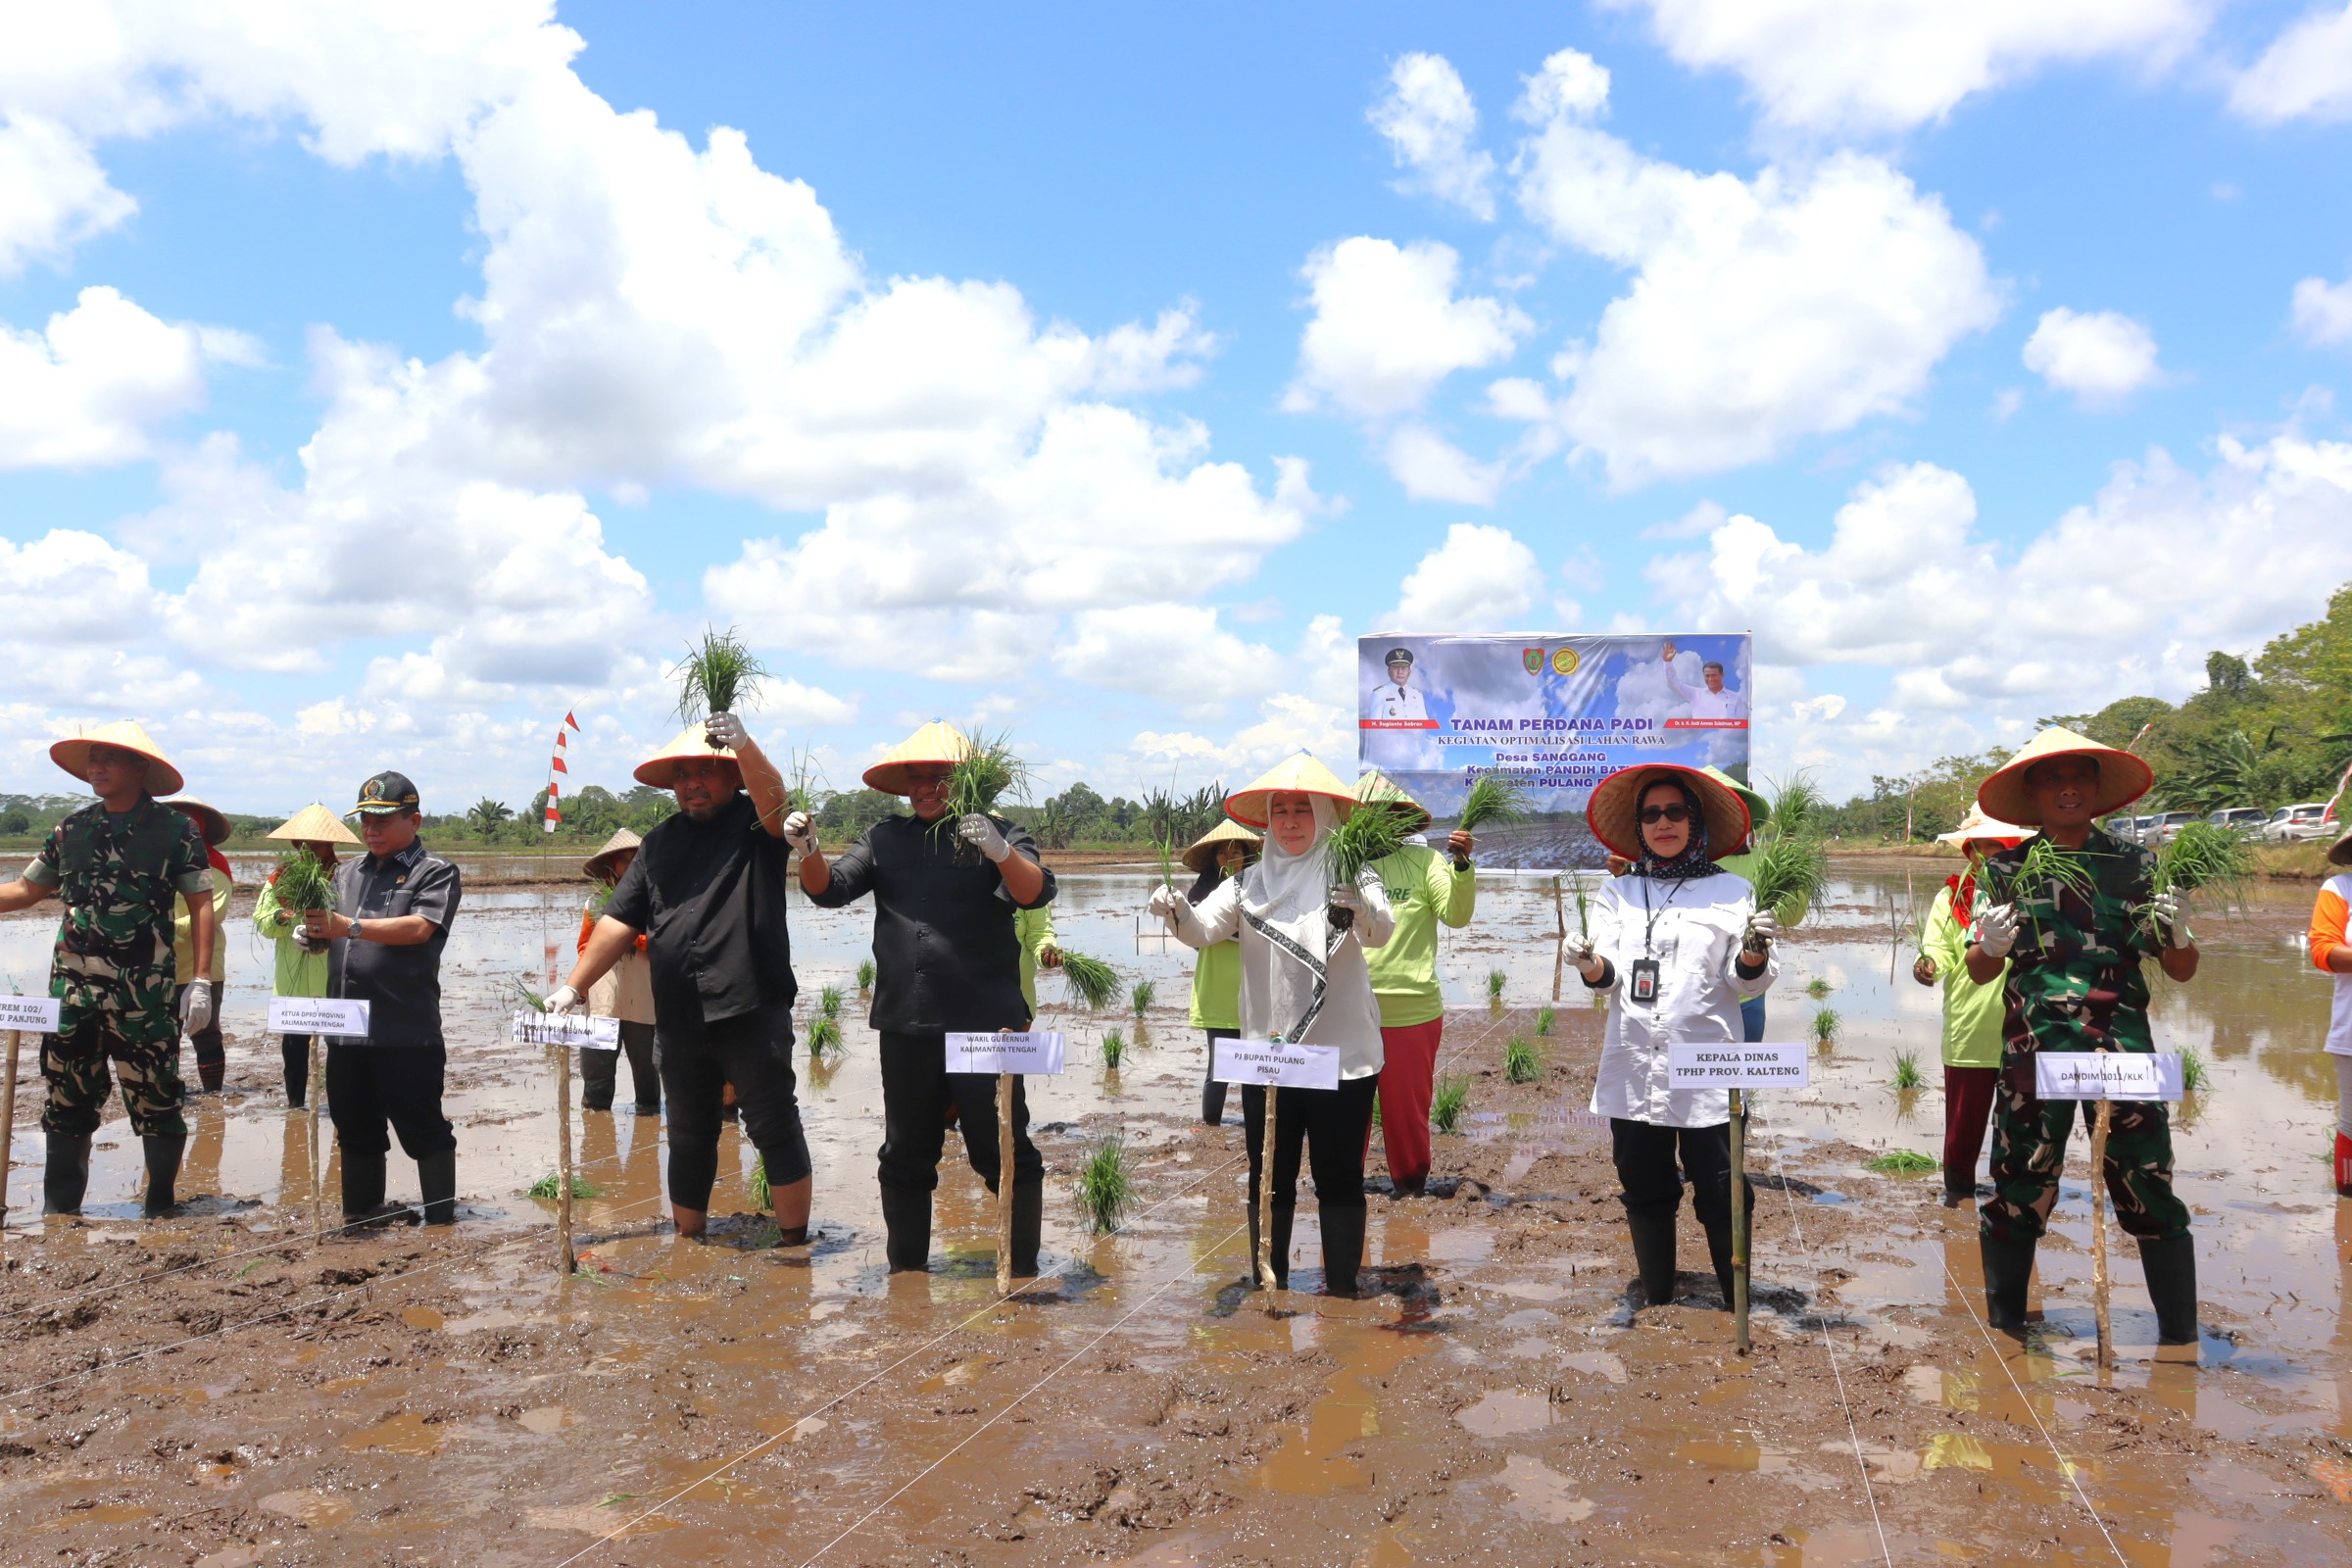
(1642, 979)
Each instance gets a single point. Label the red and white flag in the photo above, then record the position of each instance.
(556, 772)
(2341, 784)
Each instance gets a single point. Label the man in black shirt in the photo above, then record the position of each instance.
(946, 958)
(391, 919)
(708, 891)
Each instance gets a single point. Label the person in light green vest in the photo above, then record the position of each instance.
(1742, 864)
(1213, 857)
(302, 964)
(1972, 1012)
(1039, 950)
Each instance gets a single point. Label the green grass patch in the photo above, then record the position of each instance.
(547, 1186)
(1903, 1163)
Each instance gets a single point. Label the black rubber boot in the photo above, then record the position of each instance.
(1343, 1248)
(907, 1220)
(163, 1171)
(437, 1177)
(363, 1185)
(1212, 1103)
(1719, 1253)
(66, 1174)
(2008, 1269)
(1028, 1223)
(1653, 1254)
(297, 1062)
(1284, 1216)
(2171, 1266)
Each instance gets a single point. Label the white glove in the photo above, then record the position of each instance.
(196, 1007)
(800, 833)
(1578, 950)
(1763, 930)
(2171, 913)
(566, 1000)
(981, 833)
(1164, 901)
(1342, 904)
(1996, 930)
(725, 729)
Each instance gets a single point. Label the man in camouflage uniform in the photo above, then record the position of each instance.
(2075, 945)
(120, 866)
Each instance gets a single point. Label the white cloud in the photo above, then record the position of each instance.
(2306, 73)
(53, 195)
(1800, 301)
(1431, 124)
(1176, 652)
(1431, 468)
(2323, 312)
(2101, 357)
(1388, 327)
(1879, 65)
(90, 388)
(1481, 578)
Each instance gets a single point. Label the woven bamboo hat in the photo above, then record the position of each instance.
(73, 754)
(692, 741)
(315, 825)
(1298, 773)
(2123, 777)
(1759, 809)
(1206, 849)
(209, 821)
(1376, 788)
(1977, 825)
(2340, 852)
(1614, 811)
(935, 743)
(598, 866)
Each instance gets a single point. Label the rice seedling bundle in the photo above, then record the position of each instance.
(1825, 1024)
(801, 777)
(1492, 800)
(1903, 1163)
(865, 974)
(547, 1188)
(986, 774)
(1362, 838)
(1105, 1187)
(1798, 805)
(1114, 1051)
(531, 1000)
(2203, 858)
(1788, 873)
(717, 676)
(1907, 1073)
(2194, 1074)
(828, 1002)
(1495, 981)
(1091, 981)
(2046, 872)
(1816, 988)
(762, 1194)
(1445, 1106)
(1522, 1062)
(824, 1037)
(1167, 862)
(1545, 1017)
(301, 882)
(1141, 995)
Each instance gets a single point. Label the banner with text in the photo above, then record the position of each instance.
(1555, 714)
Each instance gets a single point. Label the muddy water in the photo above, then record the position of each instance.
(428, 1396)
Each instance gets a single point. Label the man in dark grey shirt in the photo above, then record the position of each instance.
(393, 908)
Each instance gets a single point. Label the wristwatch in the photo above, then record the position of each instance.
(355, 928)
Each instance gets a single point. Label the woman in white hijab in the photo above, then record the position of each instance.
(1304, 981)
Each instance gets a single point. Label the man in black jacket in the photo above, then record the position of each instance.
(947, 959)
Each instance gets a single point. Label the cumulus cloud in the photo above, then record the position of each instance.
(1431, 124)
(1884, 66)
(2101, 357)
(2323, 312)
(53, 195)
(2306, 73)
(1759, 311)
(1175, 653)
(1388, 327)
(1480, 579)
(91, 387)
(1431, 468)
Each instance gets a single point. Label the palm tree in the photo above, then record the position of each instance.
(2222, 772)
(485, 815)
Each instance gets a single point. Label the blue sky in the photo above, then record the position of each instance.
(1105, 377)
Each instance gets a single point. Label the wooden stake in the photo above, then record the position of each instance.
(1740, 1218)
(565, 1264)
(1559, 955)
(1004, 1184)
(8, 1121)
(1265, 1196)
(317, 1154)
(2098, 1237)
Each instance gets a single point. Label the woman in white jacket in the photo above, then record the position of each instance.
(1676, 945)
(1303, 980)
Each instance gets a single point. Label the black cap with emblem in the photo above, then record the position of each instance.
(1400, 655)
(386, 792)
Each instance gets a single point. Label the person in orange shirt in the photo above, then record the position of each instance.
(626, 993)
(2330, 951)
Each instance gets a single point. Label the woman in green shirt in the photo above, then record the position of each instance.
(1972, 1012)
(1216, 856)
(301, 963)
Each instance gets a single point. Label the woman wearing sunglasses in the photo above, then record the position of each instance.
(1676, 945)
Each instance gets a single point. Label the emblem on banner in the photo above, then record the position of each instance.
(1566, 661)
(1533, 658)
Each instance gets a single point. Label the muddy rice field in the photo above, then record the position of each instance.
(224, 1389)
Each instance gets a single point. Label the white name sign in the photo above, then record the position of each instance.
(573, 1029)
(1277, 1065)
(2106, 1075)
(1731, 1064)
(317, 1015)
(1039, 1055)
(35, 1014)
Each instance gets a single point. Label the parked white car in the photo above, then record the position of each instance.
(2166, 829)
(2246, 819)
(2293, 824)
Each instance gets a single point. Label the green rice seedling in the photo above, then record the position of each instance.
(802, 780)
(828, 1002)
(716, 677)
(987, 773)
(1093, 983)
(762, 1194)
(865, 974)
(1545, 1017)
(301, 882)
(601, 895)
(1903, 1163)
(2202, 859)
(1788, 873)
(1907, 1073)
(1445, 1106)
(1362, 838)
(1105, 1186)
(2195, 1075)
(1376, 1113)
(1816, 988)
(1494, 801)
(1495, 981)
(1798, 805)
(530, 1000)
(1522, 1062)
(2045, 871)
(548, 1187)
(1825, 1024)
(1140, 995)
(1167, 862)
(1114, 1050)
(1582, 895)
(824, 1037)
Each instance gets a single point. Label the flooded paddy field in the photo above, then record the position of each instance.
(220, 1388)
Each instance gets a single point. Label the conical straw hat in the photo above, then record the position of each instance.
(1376, 788)
(209, 821)
(1206, 849)
(1298, 773)
(692, 741)
(2123, 777)
(73, 756)
(598, 866)
(2340, 852)
(1977, 825)
(315, 825)
(935, 743)
(1614, 811)
(1759, 809)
